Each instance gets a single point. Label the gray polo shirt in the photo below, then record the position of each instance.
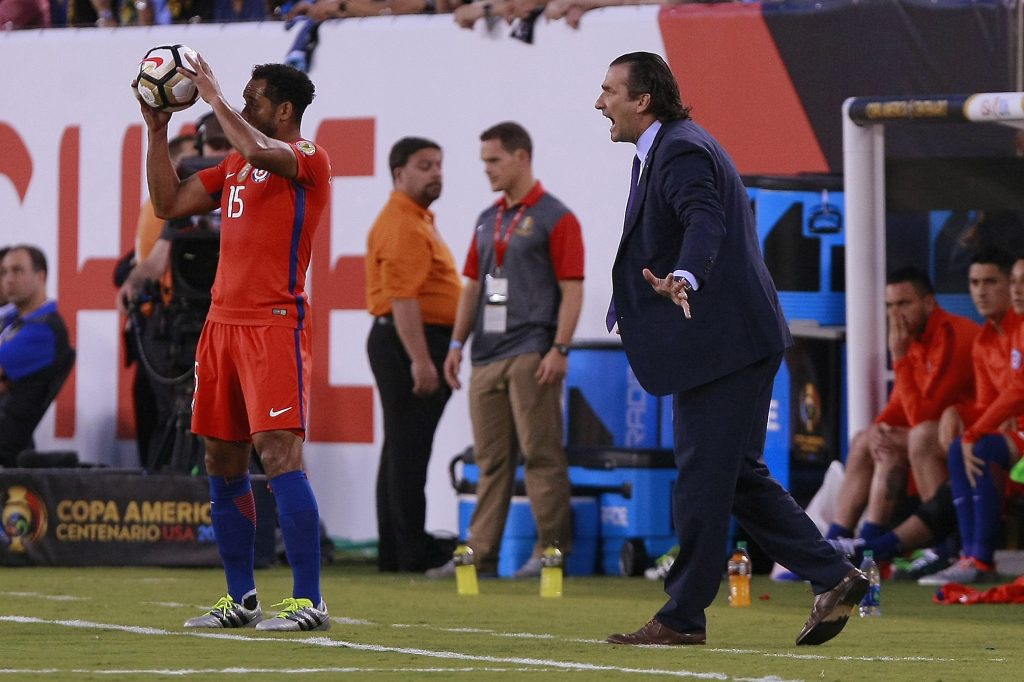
(546, 246)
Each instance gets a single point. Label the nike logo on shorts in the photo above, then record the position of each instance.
(275, 413)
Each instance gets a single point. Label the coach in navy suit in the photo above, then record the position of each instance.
(700, 319)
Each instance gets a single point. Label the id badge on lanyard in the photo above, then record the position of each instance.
(496, 285)
(496, 303)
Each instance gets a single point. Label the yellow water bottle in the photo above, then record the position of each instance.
(551, 572)
(465, 571)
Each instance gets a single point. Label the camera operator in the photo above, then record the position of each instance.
(163, 322)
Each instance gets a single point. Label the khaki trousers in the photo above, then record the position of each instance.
(511, 411)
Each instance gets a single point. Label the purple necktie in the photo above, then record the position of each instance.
(634, 178)
(633, 182)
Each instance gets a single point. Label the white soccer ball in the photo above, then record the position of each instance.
(159, 83)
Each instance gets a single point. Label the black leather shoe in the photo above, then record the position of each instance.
(656, 633)
(832, 609)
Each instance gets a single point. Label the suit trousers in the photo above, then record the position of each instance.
(720, 432)
(511, 411)
(409, 426)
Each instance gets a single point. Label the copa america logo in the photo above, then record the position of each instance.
(810, 406)
(24, 517)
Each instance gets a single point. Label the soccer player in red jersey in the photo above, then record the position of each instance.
(252, 363)
(991, 442)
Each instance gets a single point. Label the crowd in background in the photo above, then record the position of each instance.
(23, 14)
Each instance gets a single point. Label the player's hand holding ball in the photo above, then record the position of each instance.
(160, 84)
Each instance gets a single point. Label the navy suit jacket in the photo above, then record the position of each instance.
(691, 212)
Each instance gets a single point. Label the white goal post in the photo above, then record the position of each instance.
(864, 121)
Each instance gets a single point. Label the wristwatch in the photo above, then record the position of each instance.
(562, 349)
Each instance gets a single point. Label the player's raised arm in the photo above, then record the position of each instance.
(262, 131)
(171, 197)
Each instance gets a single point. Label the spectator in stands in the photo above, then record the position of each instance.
(321, 10)
(102, 13)
(35, 356)
(931, 351)
(15, 14)
(981, 457)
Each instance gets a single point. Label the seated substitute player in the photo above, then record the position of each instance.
(980, 459)
(252, 362)
(931, 352)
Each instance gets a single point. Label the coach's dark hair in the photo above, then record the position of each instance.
(35, 255)
(286, 84)
(993, 255)
(648, 73)
(512, 136)
(916, 277)
(403, 150)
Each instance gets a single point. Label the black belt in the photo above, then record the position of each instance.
(384, 320)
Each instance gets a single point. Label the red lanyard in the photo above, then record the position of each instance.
(501, 245)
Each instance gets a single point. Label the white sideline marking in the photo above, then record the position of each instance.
(48, 597)
(332, 643)
(262, 671)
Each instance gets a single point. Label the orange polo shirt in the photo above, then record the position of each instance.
(406, 258)
(935, 373)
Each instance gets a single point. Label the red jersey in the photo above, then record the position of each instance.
(1008, 401)
(266, 233)
(935, 373)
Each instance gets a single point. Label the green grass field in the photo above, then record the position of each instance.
(125, 624)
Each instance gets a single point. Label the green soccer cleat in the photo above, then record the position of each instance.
(298, 615)
(227, 613)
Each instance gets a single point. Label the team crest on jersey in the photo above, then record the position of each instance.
(306, 147)
(260, 175)
(1015, 359)
(526, 229)
(244, 173)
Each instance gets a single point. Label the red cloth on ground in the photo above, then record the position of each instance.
(955, 593)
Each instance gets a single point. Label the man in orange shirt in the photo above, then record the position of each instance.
(412, 290)
(983, 435)
(931, 352)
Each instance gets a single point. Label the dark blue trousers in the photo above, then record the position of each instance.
(719, 451)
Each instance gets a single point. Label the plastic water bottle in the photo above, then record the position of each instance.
(465, 571)
(739, 576)
(551, 572)
(871, 605)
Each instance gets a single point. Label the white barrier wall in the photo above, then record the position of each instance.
(71, 181)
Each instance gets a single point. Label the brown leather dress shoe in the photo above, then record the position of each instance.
(832, 609)
(656, 633)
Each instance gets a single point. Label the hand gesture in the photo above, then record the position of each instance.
(203, 77)
(899, 336)
(671, 289)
